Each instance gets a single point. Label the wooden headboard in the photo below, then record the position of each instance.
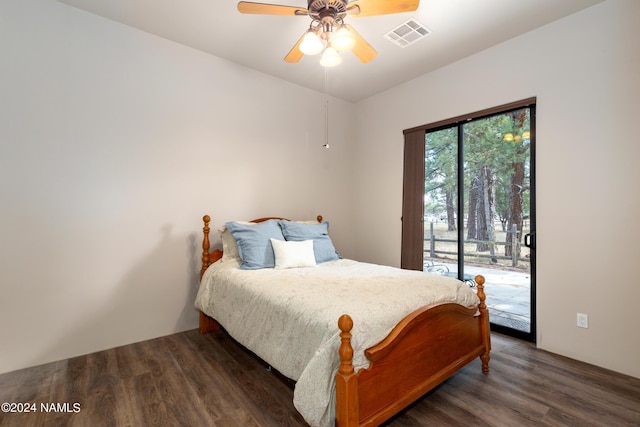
(209, 258)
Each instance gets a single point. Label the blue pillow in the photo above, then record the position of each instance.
(254, 245)
(323, 248)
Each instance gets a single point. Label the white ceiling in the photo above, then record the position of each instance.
(459, 29)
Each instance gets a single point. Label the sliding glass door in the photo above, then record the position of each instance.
(479, 210)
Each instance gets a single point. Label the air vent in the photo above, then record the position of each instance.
(407, 33)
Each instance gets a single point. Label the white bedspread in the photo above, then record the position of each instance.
(290, 317)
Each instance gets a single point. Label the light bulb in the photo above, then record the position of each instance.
(330, 57)
(311, 44)
(343, 39)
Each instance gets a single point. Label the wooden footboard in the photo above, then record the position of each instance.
(423, 350)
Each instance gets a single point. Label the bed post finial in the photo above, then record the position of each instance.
(319, 218)
(346, 351)
(347, 404)
(486, 330)
(205, 245)
(481, 295)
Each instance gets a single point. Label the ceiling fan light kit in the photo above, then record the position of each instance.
(330, 57)
(343, 40)
(329, 37)
(327, 32)
(311, 43)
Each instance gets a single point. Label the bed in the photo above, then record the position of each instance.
(361, 341)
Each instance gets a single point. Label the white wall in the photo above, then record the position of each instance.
(585, 72)
(114, 143)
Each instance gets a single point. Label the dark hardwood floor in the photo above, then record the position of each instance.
(188, 379)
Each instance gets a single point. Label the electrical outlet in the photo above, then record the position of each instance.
(583, 320)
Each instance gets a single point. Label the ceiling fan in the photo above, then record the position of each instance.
(327, 32)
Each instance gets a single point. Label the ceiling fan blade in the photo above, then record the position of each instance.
(362, 8)
(270, 9)
(363, 50)
(295, 54)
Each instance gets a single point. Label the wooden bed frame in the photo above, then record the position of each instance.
(423, 350)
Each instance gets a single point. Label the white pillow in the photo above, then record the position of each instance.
(293, 254)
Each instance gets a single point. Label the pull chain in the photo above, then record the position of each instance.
(326, 109)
